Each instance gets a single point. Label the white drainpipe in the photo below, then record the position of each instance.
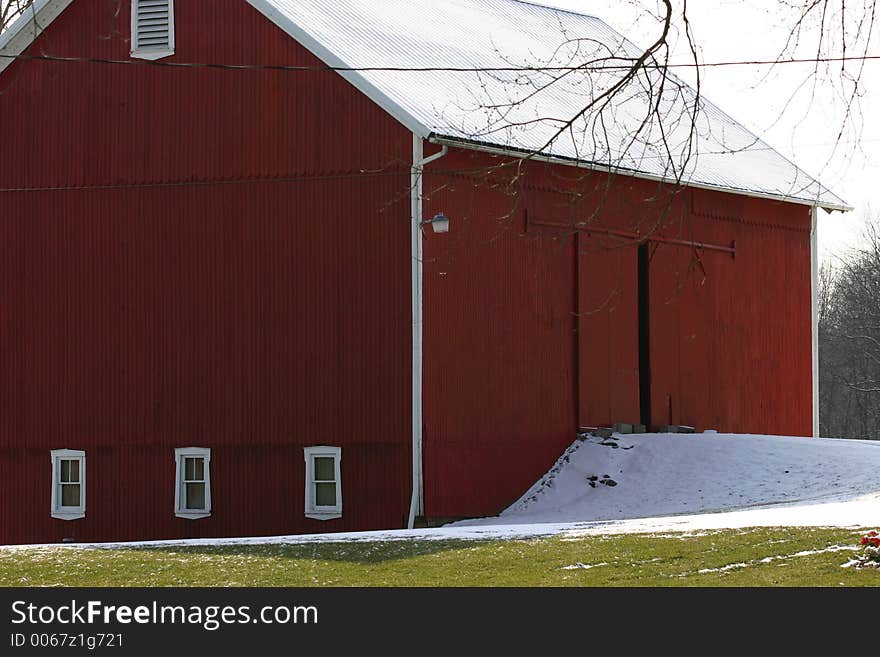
(416, 505)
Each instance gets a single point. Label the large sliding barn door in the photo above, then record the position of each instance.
(648, 329)
(608, 330)
(681, 284)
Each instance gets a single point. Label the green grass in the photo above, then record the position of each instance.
(728, 558)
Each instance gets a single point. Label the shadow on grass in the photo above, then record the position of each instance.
(362, 552)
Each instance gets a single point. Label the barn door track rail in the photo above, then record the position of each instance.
(636, 237)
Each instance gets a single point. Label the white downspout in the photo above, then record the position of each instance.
(416, 505)
(814, 292)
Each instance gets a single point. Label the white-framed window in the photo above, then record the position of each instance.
(152, 28)
(323, 482)
(192, 490)
(68, 484)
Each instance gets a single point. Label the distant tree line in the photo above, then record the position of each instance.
(849, 342)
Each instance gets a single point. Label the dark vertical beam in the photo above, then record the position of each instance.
(645, 334)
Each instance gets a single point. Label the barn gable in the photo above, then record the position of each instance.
(184, 266)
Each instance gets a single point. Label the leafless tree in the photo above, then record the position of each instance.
(636, 111)
(839, 36)
(849, 341)
(10, 10)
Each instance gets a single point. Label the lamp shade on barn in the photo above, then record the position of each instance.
(274, 267)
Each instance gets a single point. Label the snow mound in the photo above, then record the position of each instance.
(648, 475)
(650, 483)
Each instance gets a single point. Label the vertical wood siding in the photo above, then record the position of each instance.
(730, 337)
(217, 271)
(221, 259)
(498, 342)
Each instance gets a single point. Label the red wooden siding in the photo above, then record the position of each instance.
(498, 404)
(227, 277)
(609, 355)
(90, 124)
(730, 337)
(215, 258)
(608, 297)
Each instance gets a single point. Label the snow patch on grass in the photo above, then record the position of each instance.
(584, 566)
(781, 557)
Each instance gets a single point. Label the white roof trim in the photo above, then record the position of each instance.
(593, 166)
(330, 59)
(27, 27)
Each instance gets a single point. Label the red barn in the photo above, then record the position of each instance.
(228, 306)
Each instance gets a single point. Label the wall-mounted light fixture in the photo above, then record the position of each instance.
(440, 223)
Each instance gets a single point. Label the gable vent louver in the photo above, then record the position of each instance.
(152, 28)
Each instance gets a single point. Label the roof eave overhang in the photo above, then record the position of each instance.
(457, 142)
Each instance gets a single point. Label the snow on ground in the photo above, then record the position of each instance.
(650, 483)
(649, 475)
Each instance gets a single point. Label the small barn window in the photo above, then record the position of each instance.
(68, 484)
(192, 493)
(323, 482)
(152, 28)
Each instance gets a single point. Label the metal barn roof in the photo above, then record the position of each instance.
(521, 111)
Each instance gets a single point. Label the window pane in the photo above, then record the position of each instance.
(70, 471)
(325, 494)
(70, 495)
(324, 468)
(194, 468)
(195, 496)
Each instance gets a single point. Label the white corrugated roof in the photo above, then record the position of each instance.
(519, 110)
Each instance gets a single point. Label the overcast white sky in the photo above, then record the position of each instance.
(780, 105)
